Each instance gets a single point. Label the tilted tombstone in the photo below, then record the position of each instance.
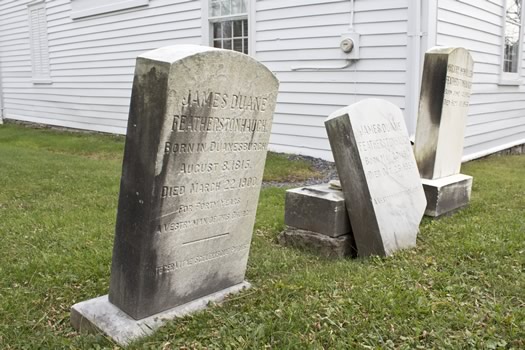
(443, 108)
(198, 130)
(440, 131)
(379, 177)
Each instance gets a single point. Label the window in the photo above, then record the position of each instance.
(229, 24)
(512, 43)
(39, 43)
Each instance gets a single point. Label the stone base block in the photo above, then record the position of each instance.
(317, 243)
(99, 315)
(447, 195)
(317, 208)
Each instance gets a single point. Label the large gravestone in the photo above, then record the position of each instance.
(442, 119)
(379, 177)
(198, 130)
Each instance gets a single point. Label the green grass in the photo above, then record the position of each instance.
(462, 287)
(279, 168)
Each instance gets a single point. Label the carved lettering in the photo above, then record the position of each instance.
(175, 226)
(217, 100)
(171, 267)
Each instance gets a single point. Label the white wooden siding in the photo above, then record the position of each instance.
(306, 33)
(91, 59)
(497, 112)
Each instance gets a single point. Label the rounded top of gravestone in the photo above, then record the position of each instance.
(447, 50)
(364, 105)
(176, 53)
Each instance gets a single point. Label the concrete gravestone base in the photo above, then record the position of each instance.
(100, 315)
(317, 221)
(447, 195)
(319, 244)
(317, 208)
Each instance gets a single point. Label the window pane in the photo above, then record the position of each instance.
(243, 6)
(245, 28)
(246, 46)
(513, 12)
(512, 36)
(217, 31)
(227, 44)
(238, 6)
(217, 43)
(215, 8)
(227, 29)
(237, 29)
(237, 45)
(225, 8)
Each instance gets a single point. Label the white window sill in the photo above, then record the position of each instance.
(510, 82)
(42, 81)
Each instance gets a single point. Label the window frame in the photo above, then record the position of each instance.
(44, 75)
(511, 78)
(207, 27)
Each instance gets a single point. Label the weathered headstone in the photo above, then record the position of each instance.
(198, 130)
(378, 173)
(443, 108)
(316, 220)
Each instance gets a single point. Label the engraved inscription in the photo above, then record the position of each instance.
(171, 267)
(172, 147)
(385, 199)
(385, 154)
(196, 123)
(175, 226)
(458, 86)
(379, 128)
(217, 100)
(208, 205)
(214, 167)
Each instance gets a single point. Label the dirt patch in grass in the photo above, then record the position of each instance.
(289, 170)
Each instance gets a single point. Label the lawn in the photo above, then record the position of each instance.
(462, 287)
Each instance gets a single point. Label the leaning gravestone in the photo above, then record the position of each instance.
(198, 130)
(442, 119)
(379, 177)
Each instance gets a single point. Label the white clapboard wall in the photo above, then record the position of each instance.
(497, 112)
(92, 60)
(297, 34)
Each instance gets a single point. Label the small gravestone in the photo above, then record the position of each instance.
(316, 220)
(379, 177)
(317, 208)
(198, 130)
(443, 109)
